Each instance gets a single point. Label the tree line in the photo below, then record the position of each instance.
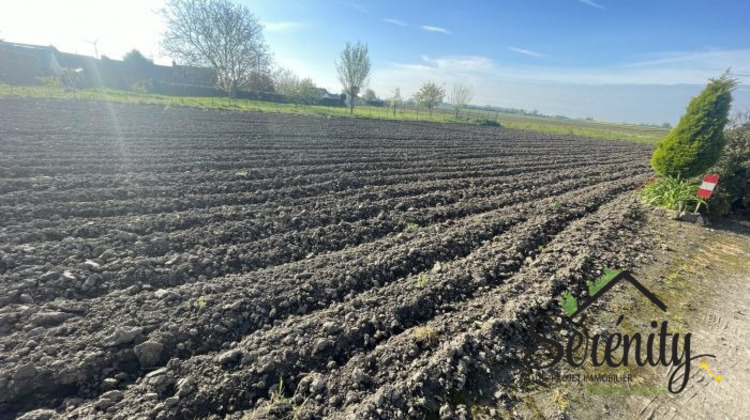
(228, 38)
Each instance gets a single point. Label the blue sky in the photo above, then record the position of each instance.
(635, 61)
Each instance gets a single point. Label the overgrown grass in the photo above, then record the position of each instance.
(672, 193)
(594, 129)
(411, 227)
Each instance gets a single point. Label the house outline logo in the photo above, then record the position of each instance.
(655, 345)
(602, 285)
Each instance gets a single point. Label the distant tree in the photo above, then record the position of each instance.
(260, 82)
(218, 34)
(430, 95)
(460, 96)
(284, 80)
(666, 125)
(305, 92)
(137, 65)
(396, 101)
(136, 59)
(353, 70)
(695, 144)
(299, 91)
(370, 96)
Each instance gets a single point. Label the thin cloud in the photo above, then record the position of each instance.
(703, 57)
(592, 3)
(360, 7)
(461, 63)
(527, 52)
(430, 28)
(283, 26)
(395, 22)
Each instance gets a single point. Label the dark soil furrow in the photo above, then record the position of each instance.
(168, 265)
(310, 343)
(147, 206)
(310, 290)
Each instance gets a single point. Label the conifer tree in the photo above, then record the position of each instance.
(695, 144)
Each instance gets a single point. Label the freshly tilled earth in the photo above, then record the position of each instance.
(185, 263)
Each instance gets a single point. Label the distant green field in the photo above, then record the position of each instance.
(595, 129)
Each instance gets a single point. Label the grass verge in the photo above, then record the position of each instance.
(592, 129)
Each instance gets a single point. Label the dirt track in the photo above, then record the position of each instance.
(177, 263)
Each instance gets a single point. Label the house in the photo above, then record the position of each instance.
(23, 63)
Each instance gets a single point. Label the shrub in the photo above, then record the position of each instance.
(733, 190)
(672, 193)
(487, 123)
(696, 143)
(411, 227)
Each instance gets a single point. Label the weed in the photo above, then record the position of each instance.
(200, 303)
(280, 406)
(411, 227)
(278, 397)
(675, 276)
(558, 398)
(426, 335)
(422, 280)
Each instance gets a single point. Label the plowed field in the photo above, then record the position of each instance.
(184, 263)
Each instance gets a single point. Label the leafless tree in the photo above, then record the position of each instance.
(396, 101)
(353, 70)
(284, 81)
(430, 95)
(460, 96)
(218, 34)
(370, 95)
(299, 91)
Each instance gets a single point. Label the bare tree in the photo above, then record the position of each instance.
(353, 70)
(284, 81)
(299, 91)
(396, 101)
(370, 95)
(218, 34)
(460, 96)
(430, 95)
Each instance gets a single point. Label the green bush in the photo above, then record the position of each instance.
(672, 193)
(488, 123)
(696, 143)
(733, 190)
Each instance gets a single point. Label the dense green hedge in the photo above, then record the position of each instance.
(695, 144)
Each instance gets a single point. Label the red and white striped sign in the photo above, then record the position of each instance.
(708, 185)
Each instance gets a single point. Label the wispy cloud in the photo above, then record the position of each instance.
(395, 22)
(699, 57)
(430, 28)
(458, 62)
(527, 52)
(655, 89)
(592, 3)
(283, 26)
(360, 7)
